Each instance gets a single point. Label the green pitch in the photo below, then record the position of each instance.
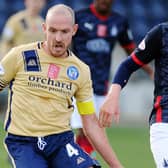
(130, 144)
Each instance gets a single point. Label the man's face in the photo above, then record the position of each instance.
(103, 5)
(35, 5)
(59, 31)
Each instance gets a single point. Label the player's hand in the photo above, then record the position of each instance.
(109, 111)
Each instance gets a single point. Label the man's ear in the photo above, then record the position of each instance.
(44, 27)
(75, 28)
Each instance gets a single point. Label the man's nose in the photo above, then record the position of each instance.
(58, 36)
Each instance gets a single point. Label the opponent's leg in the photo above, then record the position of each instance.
(159, 144)
(83, 142)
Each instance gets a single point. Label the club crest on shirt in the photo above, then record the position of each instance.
(72, 72)
(53, 71)
(1, 70)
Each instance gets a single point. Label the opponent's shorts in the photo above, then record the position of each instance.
(53, 151)
(76, 119)
(159, 144)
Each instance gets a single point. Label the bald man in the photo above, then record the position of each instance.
(43, 77)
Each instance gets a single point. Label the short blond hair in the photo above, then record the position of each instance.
(61, 9)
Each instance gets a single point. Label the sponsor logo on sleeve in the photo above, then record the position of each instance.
(142, 45)
(8, 33)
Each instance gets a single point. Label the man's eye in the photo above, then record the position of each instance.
(52, 31)
(65, 31)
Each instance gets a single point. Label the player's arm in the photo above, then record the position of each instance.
(96, 134)
(8, 67)
(110, 108)
(92, 129)
(148, 50)
(99, 140)
(127, 43)
(146, 67)
(8, 34)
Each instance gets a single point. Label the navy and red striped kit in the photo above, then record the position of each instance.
(153, 47)
(156, 48)
(95, 40)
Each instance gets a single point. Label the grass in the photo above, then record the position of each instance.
(130, 144)
(3, 155)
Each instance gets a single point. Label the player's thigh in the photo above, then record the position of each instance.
(73, 156)
(24, 156)
(159, 144)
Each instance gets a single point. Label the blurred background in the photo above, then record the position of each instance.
(142, 14)
(136, 98)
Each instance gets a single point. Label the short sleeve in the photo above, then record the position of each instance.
(8, 66)
(150, 46)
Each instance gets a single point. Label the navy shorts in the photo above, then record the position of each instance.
(53, 151)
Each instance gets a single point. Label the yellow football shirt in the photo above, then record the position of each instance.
(21, 28)
(41, 89)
